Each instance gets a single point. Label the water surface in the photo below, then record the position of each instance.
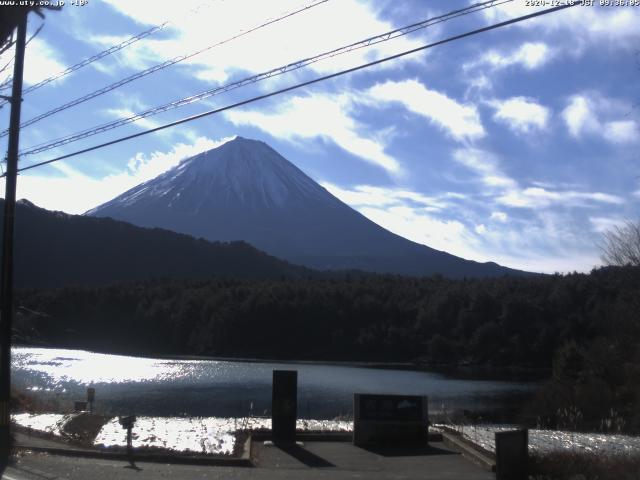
(163, 387)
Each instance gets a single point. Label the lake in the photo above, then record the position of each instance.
(168, 387)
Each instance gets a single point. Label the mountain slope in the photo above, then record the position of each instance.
(54, 249)
(245, 190)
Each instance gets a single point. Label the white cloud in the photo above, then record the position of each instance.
(499, 216)
(579, 116)
(536, 197)
(322, 116)
(485, 165)
(508, 192)
(411, 215)
(530, 55)
(263, 49)
(40, 62)
(595, 115)
(538, 244)
(603, 224)
(520, 114)
(622, 131)
(368, 195)
(587, 26)
(461, 121)
(74, 192)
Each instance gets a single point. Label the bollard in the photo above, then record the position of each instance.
(512, 455)
(284, 405)
(91, 396)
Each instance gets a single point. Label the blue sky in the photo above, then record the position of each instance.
(519, 145)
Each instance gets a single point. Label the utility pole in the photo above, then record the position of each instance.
(6, 300)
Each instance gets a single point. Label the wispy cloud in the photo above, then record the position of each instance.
(529, 55)
(508, 192)
(486, 167)
(536, 197)
(544, 243)
(603, 224)
(460, 121)
(323, 116)
(372, 196)
(410, 215)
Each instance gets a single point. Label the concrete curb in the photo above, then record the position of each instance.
(243, 461)
(469, 451)
(309, 437)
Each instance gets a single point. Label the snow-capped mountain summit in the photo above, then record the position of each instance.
(245, 190)
(241, 172)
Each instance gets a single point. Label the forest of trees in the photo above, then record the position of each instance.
(583, 328)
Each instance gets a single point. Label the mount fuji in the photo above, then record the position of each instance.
(245, 190)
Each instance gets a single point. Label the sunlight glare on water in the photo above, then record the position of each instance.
(204, 388)
(86, 367)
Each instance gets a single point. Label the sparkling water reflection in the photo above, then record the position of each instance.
(161, 387)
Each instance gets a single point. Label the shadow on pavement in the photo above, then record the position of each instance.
(303, 456)
(407, 450)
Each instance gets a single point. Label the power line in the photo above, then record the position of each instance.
(100, 55)
(303, 84)
(93, 58)
(262, 76)
(161, 66)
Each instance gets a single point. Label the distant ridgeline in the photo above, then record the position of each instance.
(54, 249)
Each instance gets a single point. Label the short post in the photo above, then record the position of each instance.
(284, 406)
(127, 423)
(512, 455)
(91, 396)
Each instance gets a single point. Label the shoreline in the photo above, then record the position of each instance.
(485, 372)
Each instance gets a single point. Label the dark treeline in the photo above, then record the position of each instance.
(506, 321)
(583, 328)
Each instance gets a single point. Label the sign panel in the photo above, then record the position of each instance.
(390, 419)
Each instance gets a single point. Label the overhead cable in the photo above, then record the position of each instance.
(159, 67)
(261, 76)
(93, 58)
(303, 84)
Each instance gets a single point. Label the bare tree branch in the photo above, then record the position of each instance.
(621, 245)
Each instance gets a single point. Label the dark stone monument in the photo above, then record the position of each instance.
(390, 419)
(284, 405)
(512, 455)
(91, 396)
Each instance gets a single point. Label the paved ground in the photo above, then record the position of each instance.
(42, 442)
(313, 460)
